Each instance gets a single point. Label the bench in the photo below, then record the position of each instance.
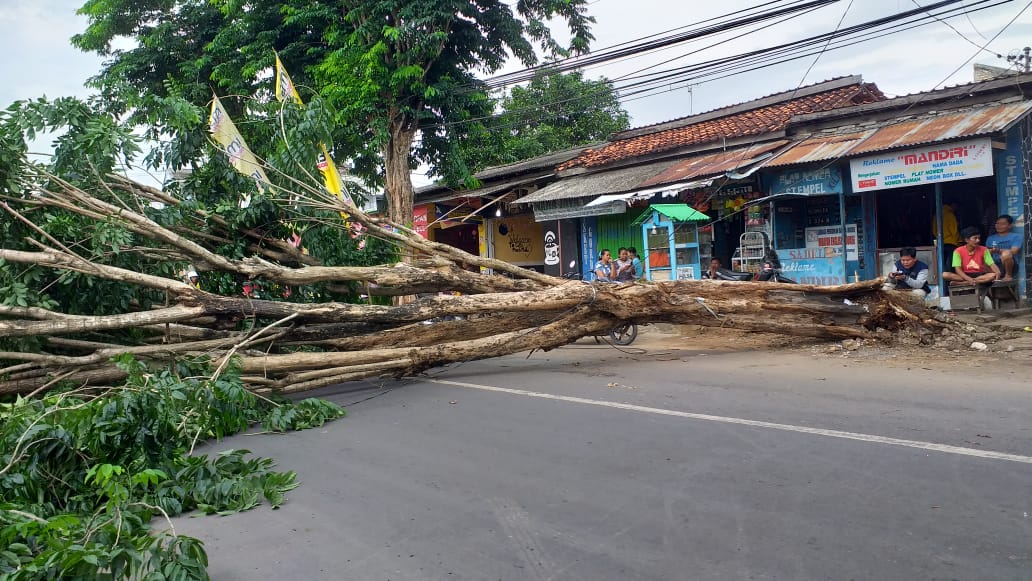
(995, 292)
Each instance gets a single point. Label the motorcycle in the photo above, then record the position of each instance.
(770, 272)
(623, 333)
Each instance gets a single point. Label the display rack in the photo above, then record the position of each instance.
(752, 247)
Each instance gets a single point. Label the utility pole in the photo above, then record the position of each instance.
(1022, 60)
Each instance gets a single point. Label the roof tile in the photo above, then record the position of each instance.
(762, 120)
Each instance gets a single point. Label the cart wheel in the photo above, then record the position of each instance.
(624, 333)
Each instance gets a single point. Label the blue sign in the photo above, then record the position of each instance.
(589, 251)
(1008, 179)
(811, 182)
(812, 266)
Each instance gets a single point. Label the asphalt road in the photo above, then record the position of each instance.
(592, 464)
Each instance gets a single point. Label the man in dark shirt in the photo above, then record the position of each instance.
(909, 274)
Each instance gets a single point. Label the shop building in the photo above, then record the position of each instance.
(858, 184)
(707, 161)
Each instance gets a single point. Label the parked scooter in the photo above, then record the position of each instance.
(771, 271)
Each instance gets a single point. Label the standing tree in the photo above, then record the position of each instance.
(554, 111)
(391, 69)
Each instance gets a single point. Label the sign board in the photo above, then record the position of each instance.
(686, 273)
(421, 220)
(811, 266)
(827, 241)
(813, 182)
(926, 165)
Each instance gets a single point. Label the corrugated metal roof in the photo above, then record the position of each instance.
(820, 148)
(713, 163)
(484, 191)
(596, 184)
(928, 128)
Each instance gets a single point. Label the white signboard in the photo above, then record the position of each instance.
(686, 273)
(826, 241)
(926, 165)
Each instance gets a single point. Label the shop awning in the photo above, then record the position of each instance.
(592, 185)
(714, 164)
(449, 195)
(923, 129)
(676, 212)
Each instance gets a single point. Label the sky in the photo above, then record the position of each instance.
(39, 59)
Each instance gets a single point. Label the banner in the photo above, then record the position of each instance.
(926, 165)
(240, 157)
(328, 169)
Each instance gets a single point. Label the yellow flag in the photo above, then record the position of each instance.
(240, 156)
(331, 178)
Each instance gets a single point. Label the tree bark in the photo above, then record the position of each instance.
(397, 174)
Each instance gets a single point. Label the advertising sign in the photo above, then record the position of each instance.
(813, 182)
(827, 240)
(926, 165)
(811, 266)
(421, 220)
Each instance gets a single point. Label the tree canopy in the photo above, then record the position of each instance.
(554, 111)
(387, 70)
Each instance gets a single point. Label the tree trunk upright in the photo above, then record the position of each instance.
(398, 180)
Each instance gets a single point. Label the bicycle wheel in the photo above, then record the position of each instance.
(624, 333)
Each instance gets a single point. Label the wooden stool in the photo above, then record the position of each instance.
(1000, 290)
(962, 294)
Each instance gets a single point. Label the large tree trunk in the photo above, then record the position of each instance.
(285, 346)
(397, 175)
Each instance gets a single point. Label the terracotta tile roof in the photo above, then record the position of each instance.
(765, 119)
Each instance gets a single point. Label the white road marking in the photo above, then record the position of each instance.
(871, 438)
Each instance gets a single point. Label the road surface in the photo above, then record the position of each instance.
(590, 463)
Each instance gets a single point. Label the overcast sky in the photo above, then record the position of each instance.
(39, 59)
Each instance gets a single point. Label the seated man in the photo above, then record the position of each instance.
(910, 274)
(972, 262)
(714, 267)
(1004, 245)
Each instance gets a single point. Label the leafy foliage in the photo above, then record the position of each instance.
(555, 111)
(384, 68)
(81, 478)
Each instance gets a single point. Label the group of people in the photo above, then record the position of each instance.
(626, 268)
(972, 262)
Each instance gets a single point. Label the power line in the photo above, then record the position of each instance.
(631, 49)
(643, 86)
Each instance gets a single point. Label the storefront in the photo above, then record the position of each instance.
(671, 241)
(904, 193)
(810, 212)
(732, 213)
(517, 240)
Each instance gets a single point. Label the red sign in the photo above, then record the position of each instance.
(421, 220)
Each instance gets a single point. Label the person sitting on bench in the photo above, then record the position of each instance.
(972, 262)
(1004, 245)
(910, 274)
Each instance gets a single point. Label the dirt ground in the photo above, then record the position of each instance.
(982, 339)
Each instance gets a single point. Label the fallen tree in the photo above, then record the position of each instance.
(289, 346)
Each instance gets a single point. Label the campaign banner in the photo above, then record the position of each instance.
(811, 182)
(225, 133)
(927, 165)
(331, 177)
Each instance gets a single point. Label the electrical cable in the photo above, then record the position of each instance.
(657, 83)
